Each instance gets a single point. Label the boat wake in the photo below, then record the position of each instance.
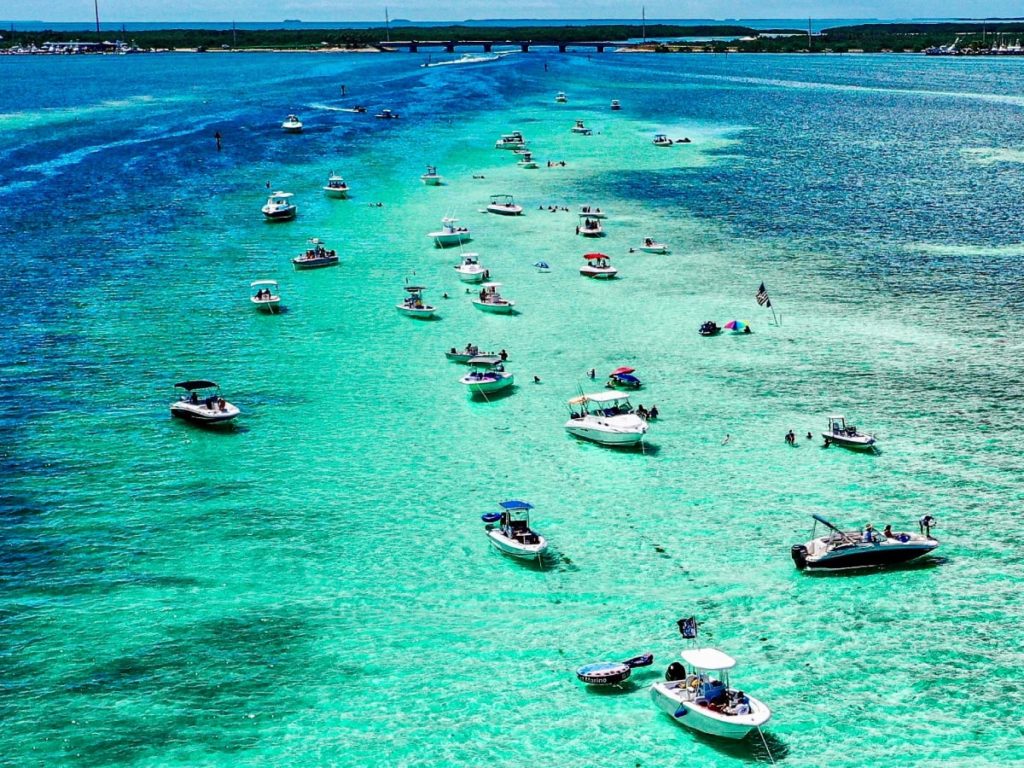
(469, 58)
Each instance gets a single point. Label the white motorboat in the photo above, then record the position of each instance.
(336, 187)
(315, 256)
(504, 205)
(413, 304)
(526, 160)
(846, 436)
(470, 270)
(581, 129)
(616, 106)
(280, 207)
(661, 140)
(450, 235)
(589, 227)
(561, 98)
(592, 212)
(606, 418)
(292, 125)
(514, 140)
(470, 351)
(212, 409)
(699, 696)
(490, 375)
(490, 300)
(266, 299)
(510, 533)
(650, 245)
(839, 550)
(598, 266)
(432, 178)
(387, 114)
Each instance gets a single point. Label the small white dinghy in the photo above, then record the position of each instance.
(490, 375)
(292, 125)
(266, 299)
(413, 304)
(209, 410)
(470, 270)
(650, 245)
(510, 533)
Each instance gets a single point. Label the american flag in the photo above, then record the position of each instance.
(688, 627)
(762, 296)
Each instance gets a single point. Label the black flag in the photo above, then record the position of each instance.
(688, 628)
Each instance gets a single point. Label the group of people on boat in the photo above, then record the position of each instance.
(213, 402)
(263, 293)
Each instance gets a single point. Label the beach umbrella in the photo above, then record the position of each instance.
(623, 369)
(737, 326)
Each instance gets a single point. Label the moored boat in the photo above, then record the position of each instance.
(413, 304)
(581, 129)
(590, 227)
(450, 235)
(432, 178)
(212, 409)
(661, 140)
(514, 140)
(489, 375)
(387, 114)
(470, 270)
(526, 160)
(598, 266)
(615, 106)
(606, 418)
(292, 124)
(490, 300)
(266, 298)
(846, 435)
(316, 255)
(650, 245)
(867, 548)
(336, 187)
(561, 98)
(510, 533)
(504, 205)
(279, 207)
(469, 352)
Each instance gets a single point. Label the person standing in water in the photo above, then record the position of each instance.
(216, 135)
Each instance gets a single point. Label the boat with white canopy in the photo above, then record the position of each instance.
(598, 266)
(432, 178)
(413, 304)
(489, 375)
(336, 187)
(840, 550)
(581, 129)
(279, 207)
(266, 298)
(490, 300)
(470, 270)
(590, 227)
(615, 106)
(450, 234)
(315, 256)
(510, 533)
(661, 140)
(504, 205)
(212, 409)
(698, 694)
(292, 124)
(606, 418)
(526, 160)
(561, 98)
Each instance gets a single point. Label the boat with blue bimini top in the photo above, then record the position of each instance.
(612, 672)
(510, 533)
(867, 548)
(697, 693)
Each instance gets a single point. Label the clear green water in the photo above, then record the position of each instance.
(315, 588)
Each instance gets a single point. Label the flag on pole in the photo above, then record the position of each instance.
(688, 627)
(762, 296)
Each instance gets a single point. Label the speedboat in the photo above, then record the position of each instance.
(449, 234)
(589, 227)
(592, 212)
(316, 256)
(561, 98)
(490, 375)
(469, 352)
(387, 114)
(598, 266)
(526, 160)
(336, 187)
(846, 435)
(292, 125)
(512, 140)
(212, 409)
(840, 549)
(489, 300)
(606, 418)
(612, 672)
(470, 269)
(623, 378)
(661, 140)
(615, 105)
(698, 695)
(413, 304)
(280, 207)
(431, 178)
(504, 205)
(650, 245)
(709, 328)
(581, 129)
(510, 533)
(266, 299)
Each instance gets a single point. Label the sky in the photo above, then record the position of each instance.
(442, 10)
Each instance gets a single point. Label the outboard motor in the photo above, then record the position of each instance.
(675, 671)
(799, 555)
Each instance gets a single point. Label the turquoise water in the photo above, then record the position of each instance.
(314, 587)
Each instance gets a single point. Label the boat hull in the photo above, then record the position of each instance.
(280, 215)
(869, 556)
(514, 548)
(335, 193)
(314, 263)
(471, 277)
(449, 240)
(270, 306)
(431, 181)
(661, 249)
(603, 437)
(495, 309)
(200, 415)
(700, 719)
(420, 313)
(859, 443)
(599, 274)
(487, 386)
(505, 210)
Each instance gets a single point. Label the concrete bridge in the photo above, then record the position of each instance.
(524, 45)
